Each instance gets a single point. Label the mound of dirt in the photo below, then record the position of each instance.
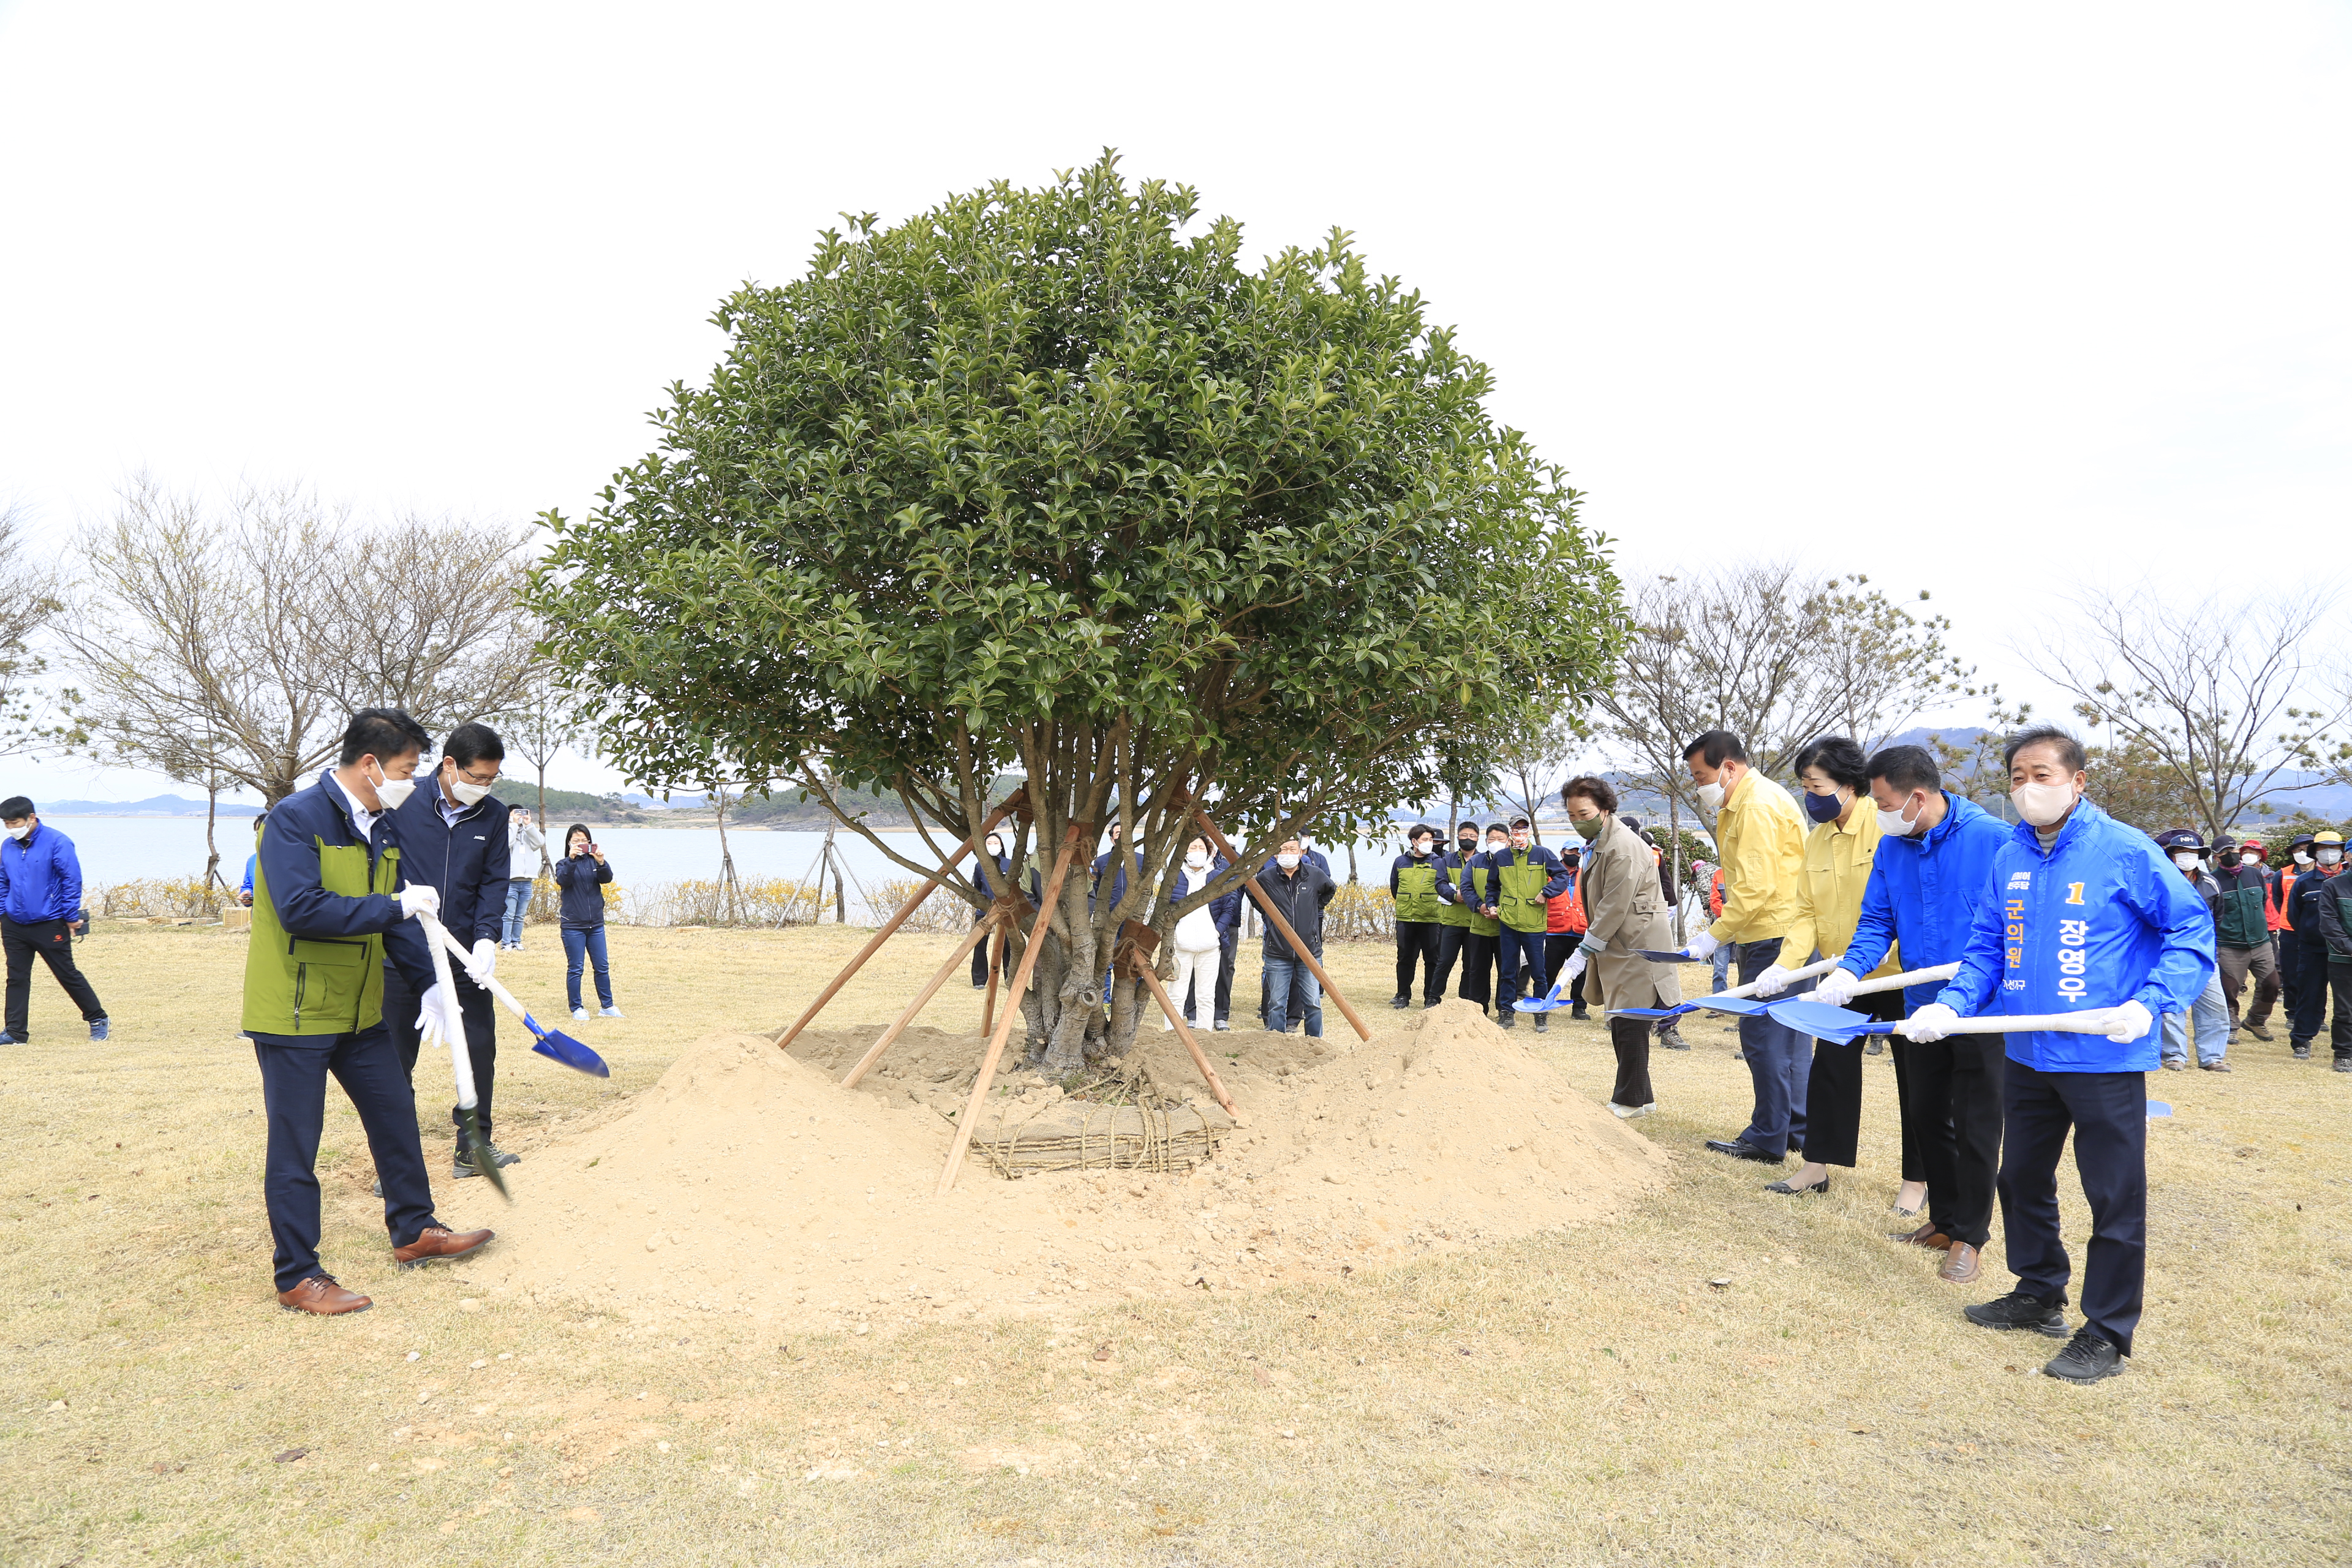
(748, 1180)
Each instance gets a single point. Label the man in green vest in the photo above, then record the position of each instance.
(329, 906)
(1528, 876)
(1478, 941)
(1420, 915)
(1452, 911)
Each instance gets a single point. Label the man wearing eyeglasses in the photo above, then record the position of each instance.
(453, 837)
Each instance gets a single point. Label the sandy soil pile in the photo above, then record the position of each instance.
(748, 1180)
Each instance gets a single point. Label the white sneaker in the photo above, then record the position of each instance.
(1627, 1113)
(580, 1013)
(612, 1013)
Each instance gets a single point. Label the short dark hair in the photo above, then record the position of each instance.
(471, 743)
(16, 808)
(1499, 828)
(1717, 746)
(1588, 786)
(579, 829)
(1417, 829)
(1907, 768)
(2070, 749)
(1838, 757)
(1468, 825)
(381, 733)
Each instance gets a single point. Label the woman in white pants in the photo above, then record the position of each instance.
(1197, 948)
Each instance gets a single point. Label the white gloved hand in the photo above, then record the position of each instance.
(1837, 987)
(1575, 967)
(1702, 946)
(439, 1018)
(1771, 983)
(415, 900)
(483, 962)
(1930, 1023)
(2132, 1020)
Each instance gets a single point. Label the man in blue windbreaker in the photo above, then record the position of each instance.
(40, 898)
(1927, 877)
(2083, 915)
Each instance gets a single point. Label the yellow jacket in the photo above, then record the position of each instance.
(1760, 833)
(1829, 889)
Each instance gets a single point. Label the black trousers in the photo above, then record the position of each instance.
(400, 1006)
(53, 940)
(2339, 1028)
(1416, 941)
(1449, 953)
(1479, 954)
(1833, 1090)
(1630, 1039)
(2290, 967)
(1908, 1107)
(1961, 1077)
(2305, 1017)
(294, 1073)
(1559, 946)
(2107, 1113)
(1224, 998)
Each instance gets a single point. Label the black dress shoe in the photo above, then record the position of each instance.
(1740, 1149)
(1578, 1012)
(2020, 1310)
(2086, 1359)
(1401, 1003)
(1821, 1187)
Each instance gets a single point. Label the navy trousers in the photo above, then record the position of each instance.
(2107, 1113)
(294, 1072)
(1478, 968)
(1779, 1060)
(2308, 1011)
(1510, 947)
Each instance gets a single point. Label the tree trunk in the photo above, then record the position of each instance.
(212, 850)
(726, 884)
(1674, 837)
(546, 865)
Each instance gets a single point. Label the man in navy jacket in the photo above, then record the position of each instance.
(452, 834)
(40, 893)
(2082, 914)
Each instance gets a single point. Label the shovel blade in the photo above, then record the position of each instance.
(1740, 1004)
(1536, 1005)
(1652, 1011)
(557, 1046)
(1660, 955)
(485, 1163)
(1838, 1024)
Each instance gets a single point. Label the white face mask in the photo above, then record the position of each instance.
(1288, 862)
(2329, 856)
(466, 794)
(390, 792)
(2186, 862)
(2042, 803)
(1893, 823)
(21, 833)
(2302, 858)
(1710, 796)
(1196, 859)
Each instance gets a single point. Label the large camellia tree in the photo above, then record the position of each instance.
(1050, 483)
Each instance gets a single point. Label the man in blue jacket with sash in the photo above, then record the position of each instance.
(2082, 914)
(328, 905)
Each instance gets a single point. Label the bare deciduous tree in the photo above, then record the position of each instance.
(536, 726)
(2213, 707)
(1534, 759)
(1775, 656)
(237, 643)
(28, 602)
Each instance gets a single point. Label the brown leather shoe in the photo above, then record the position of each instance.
(321, 1294)
(1926, 1235)
(439, 1244)
(1959, 1264)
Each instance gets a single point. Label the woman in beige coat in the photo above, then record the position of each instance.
(1627, 910)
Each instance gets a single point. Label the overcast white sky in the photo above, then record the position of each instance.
(1993, 300)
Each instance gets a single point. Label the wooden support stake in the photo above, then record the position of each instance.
(995, 967)
(1184, 1032)
(1012, 803)
(898, 1024)
(1274, 918)
(1078, 832)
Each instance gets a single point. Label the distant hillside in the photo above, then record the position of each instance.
(153, 805)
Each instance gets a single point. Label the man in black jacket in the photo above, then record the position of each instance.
(1299, 890)
(2310, 1012)
(452, 836)
(2334, 924)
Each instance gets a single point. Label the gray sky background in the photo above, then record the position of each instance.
(1998, 301)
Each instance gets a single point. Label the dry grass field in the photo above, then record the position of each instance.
(1583, 1397)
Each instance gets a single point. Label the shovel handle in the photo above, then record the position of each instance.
(1819, 966)
(2097, 1023)
(1907, 978)
(443, 940)
(461, 1060)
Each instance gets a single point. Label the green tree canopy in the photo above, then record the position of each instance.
(1049, 482)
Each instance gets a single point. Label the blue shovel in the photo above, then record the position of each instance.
(1841, 1025)
(1910, 978)
(1738, 999)
(553, 1044)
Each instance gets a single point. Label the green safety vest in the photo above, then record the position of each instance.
(1522, 901)
(1416, 898)
(1479, 924)
(1449, 911)
(334, 985)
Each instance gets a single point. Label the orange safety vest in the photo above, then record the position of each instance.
(2282, 881)
(1565, 913)
(1714, 894)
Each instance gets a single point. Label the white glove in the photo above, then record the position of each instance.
(1702, 946)
(1771, 983)
(1930, 1023)
(415, 900)
(438, 1019)
(2132, 1020)
(483, 962)
(1837, 987)
(1575, 967)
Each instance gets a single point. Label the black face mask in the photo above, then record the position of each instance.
(1469, 846)
(2228, 860)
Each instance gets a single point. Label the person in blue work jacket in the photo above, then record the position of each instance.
(1412, 890)
(40, 904)
(330, 903)
(1927, 877)
(453, 838)
(2082, 914)
(992, 847)
(1117, 886)
(1526, 878)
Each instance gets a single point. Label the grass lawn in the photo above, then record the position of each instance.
(1579, 1397)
